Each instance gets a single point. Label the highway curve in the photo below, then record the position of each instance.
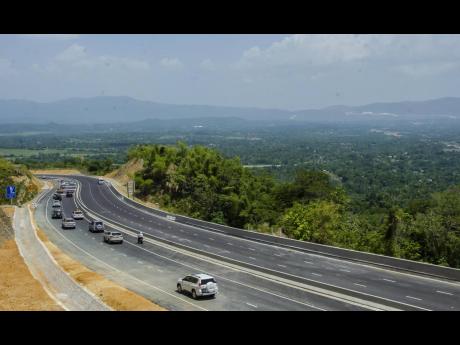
(248, 287)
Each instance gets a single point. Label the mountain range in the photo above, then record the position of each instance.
(107, 109)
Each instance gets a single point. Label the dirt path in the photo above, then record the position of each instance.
(19, 290)
(69, 294)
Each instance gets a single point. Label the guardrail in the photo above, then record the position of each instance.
(342, 253)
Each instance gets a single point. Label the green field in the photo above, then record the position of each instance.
(8, 152)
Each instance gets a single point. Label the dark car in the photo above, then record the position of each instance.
(69, 194)
(57, 214)
(57, 196)
(96, 226)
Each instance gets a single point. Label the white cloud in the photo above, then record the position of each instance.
(52, 36)
(73, 53)
(171, 63)
(426, 69)
(6, 66)
(322, 50)
(208, 65)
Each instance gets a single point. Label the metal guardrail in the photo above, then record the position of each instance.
(342, 253)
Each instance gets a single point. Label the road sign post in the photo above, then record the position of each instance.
(131, 185)
(10, 193)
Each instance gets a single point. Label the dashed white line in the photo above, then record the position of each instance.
(307, 262)
(252, 258)
(389, 280)
(284, 266)
(252, 305)
(277, 254)
(317, 274)
(445, 293)
(208, 237)
(344, 270)
(140, 262)
(418, 299)
(251, 249)
(359, 285)
(230, 244)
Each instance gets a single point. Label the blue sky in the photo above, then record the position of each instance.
(269, 71)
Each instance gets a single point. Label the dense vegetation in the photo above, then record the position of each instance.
(389, 190)
(199, 182)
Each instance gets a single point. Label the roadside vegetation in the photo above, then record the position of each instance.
(27, 186)
(199, 182)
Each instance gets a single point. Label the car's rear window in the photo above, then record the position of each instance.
(116, 234)
(209, 280)
(98, 223)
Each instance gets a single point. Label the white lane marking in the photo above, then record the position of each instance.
(389, 280)
(344, 270)
(195, 234)
(277, 254)
(281, 265)
(252, 258)
(207, 246)
(181, 230)
(251, 249)
(208, 237)
(359, 284)
(124, 254)
(252, 305)
(140, 262)
(112, 249)
(317, 274)
(230, 244)
(418, 299)
(307, 262)
(445, 293)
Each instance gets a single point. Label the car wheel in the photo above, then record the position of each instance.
(179, 288)
(121, 242)
(194, 296)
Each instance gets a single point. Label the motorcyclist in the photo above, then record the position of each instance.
(140, 237)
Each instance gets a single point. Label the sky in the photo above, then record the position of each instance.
(295, 71)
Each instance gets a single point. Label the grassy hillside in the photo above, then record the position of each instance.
(27, 186)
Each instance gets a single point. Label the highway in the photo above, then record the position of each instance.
(291, 284)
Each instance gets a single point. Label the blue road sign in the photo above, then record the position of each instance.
(10, 192)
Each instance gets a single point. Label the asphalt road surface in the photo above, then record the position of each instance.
(152, 269)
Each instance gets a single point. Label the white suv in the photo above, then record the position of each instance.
(113, 236)
(198, 285)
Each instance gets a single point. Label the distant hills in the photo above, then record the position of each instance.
(119, 110)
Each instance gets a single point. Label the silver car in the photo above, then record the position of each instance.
(198, 285)
(113, 236)
(68, 223)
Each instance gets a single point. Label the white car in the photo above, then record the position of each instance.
(198, 285)
(56, 203)
(77, 214)
(113, 236)
(100, 181)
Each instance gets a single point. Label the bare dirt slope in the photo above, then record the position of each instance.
(126, 172)
(56, 171)
(19, 290)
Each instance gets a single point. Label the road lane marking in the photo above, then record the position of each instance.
(252, 305)
(360, 285)
(445, 293)
(307, 262)
(230, 244)
(284, 266)
(277, 254)
(344, 270)
(208, 237)
(317, 274)
(252, 258)
(251, 249)
(140, 262)
(389, 280)
(418, 299)
(195, 234)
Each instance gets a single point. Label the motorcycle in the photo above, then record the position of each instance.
(140, 240)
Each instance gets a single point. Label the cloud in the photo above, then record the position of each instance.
(76, 56)
(426, 69)
(171, 63)
(326, 49)
(73, 53)
(6, 66)
(52, 36)
(208, 65)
